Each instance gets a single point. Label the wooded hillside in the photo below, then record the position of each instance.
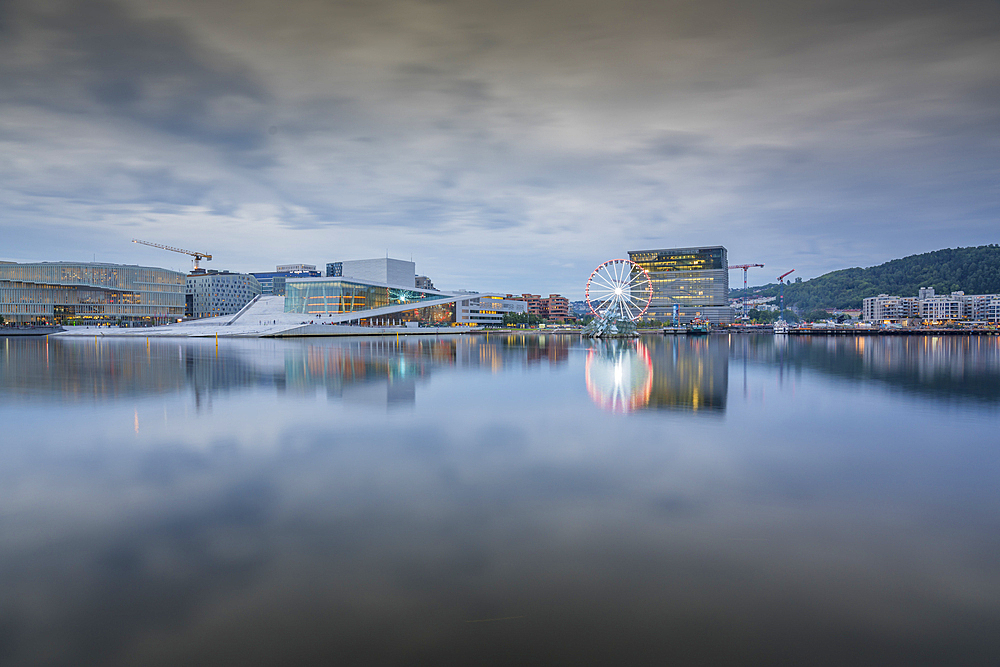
(972, 270)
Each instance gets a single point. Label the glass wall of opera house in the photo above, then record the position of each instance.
(376, 304)
(89, 293)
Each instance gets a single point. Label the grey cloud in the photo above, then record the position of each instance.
(677, 144)
(96, 57)
(774, 128)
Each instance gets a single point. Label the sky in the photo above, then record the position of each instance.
(505, 146)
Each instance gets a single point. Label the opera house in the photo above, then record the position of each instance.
(379, 293)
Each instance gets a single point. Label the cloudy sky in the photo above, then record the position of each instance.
(503, 145)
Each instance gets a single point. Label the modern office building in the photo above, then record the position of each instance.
(272, 283)
(214, 293)
(423, 282)
(695, 280)
(89, 293)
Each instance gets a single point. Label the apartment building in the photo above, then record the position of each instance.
(555, 307)
(931, 307)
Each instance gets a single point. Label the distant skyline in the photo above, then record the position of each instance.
(504, 146)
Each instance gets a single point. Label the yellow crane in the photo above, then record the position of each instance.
(198, 256)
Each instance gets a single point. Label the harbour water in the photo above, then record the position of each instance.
(536, 499)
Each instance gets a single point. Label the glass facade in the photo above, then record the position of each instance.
(272, 283)
(695, 279)
(71, 293)
(335, 296)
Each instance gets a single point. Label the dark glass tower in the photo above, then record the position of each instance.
(696, 280)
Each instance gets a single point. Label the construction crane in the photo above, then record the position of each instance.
(198, 256)
(744, 267)
(781, 281)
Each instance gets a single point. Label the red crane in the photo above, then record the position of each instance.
(744, 267)
(781, 281)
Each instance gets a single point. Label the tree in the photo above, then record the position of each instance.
(514, 319)
(762, 316)
(817, 315)
(769, 316)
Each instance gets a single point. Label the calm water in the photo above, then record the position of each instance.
(516, 500)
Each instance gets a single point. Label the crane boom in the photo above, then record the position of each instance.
(198, 256)
(781, 308)
(745, 267)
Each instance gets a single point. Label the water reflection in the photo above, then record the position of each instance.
(503, 519)
(943, 367)
(376, 371)
(619, 374)
(670, 372)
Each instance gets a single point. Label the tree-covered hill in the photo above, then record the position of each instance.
(971, 270)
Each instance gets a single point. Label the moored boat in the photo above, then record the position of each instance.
(698, 327)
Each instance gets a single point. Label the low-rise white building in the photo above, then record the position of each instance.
(486, 309)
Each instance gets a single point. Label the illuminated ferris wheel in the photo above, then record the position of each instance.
(619, 288)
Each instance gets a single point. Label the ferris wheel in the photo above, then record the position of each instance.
(620, 288)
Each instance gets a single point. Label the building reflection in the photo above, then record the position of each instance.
(948, 367)
(669, 372)
(376, 371)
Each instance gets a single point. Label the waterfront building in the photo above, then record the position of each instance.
(931, 307)
(555, 307)
(695, 280)
(533, 303)
(380, 270)
(943, 308)
(89, 293)
(991, 309)
(272, 283)
(379, 303)
(885, 308)
(487, 309)
(977, 307)
(375, 302)
(214, 293)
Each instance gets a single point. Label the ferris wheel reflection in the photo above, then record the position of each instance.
(619, 374)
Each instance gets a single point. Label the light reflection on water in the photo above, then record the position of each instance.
(361, 501)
